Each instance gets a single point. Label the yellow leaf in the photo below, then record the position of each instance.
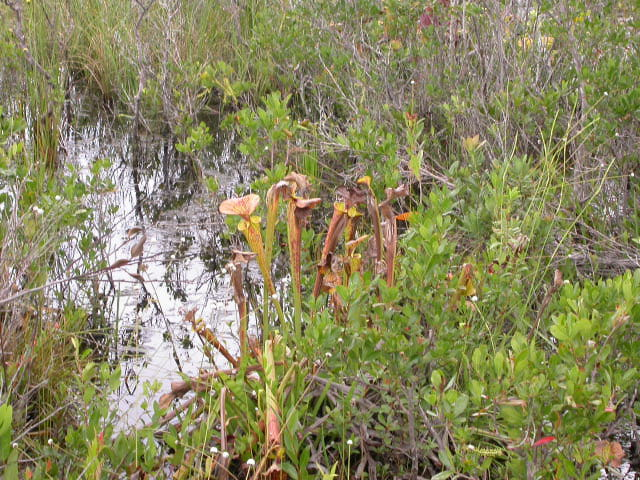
(471, 143)
(546, 42)
(469, 288)
(366, 180)
(353, 212)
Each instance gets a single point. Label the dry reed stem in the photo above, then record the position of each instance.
(202, 330)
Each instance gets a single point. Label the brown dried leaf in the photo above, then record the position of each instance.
(353, 196)
(190, 316)
(611, 453)
(180, 387)
(137, 276)
(354, 243)
(254, 345)
(138, 249)
(399, 192)
(165, 400)
(557, 279)
(132, 232)
(242, 257)
(301, 181)
(305, 203)
(277, 191)
(119, 263)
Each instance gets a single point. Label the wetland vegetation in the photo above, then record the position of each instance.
(401, 237)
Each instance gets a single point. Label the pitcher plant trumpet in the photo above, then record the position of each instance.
(250, 226)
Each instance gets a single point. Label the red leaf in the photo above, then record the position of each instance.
(544, 441)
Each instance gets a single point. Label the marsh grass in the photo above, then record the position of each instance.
(46, 237)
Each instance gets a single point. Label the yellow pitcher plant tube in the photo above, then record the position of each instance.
(250, 227)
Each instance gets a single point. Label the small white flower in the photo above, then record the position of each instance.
(253, 393)
(274, 296)
(58, 198)
(251, 462)
(617, 134)
(328, 355)
(632, 174)
(14, 445)
(266, 147)
(340, 340)
(50, 441)
(606, 94)
(471, 447)
(349, 442)
(37, 210)
(413, 82)
(213, 450)
(474, 298)
(173, 257)
(566, 282)
(225, 454)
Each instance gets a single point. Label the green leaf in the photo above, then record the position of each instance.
(445, 458)
(559, 332)
(436, 379)
(290, 470)
(6, 418)
(11, 469)
(512, 415)
(460, 405)
(499, 363)
(415, 163)
(442, 475)
(212, 184)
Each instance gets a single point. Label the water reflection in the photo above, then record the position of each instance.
(180, 268)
